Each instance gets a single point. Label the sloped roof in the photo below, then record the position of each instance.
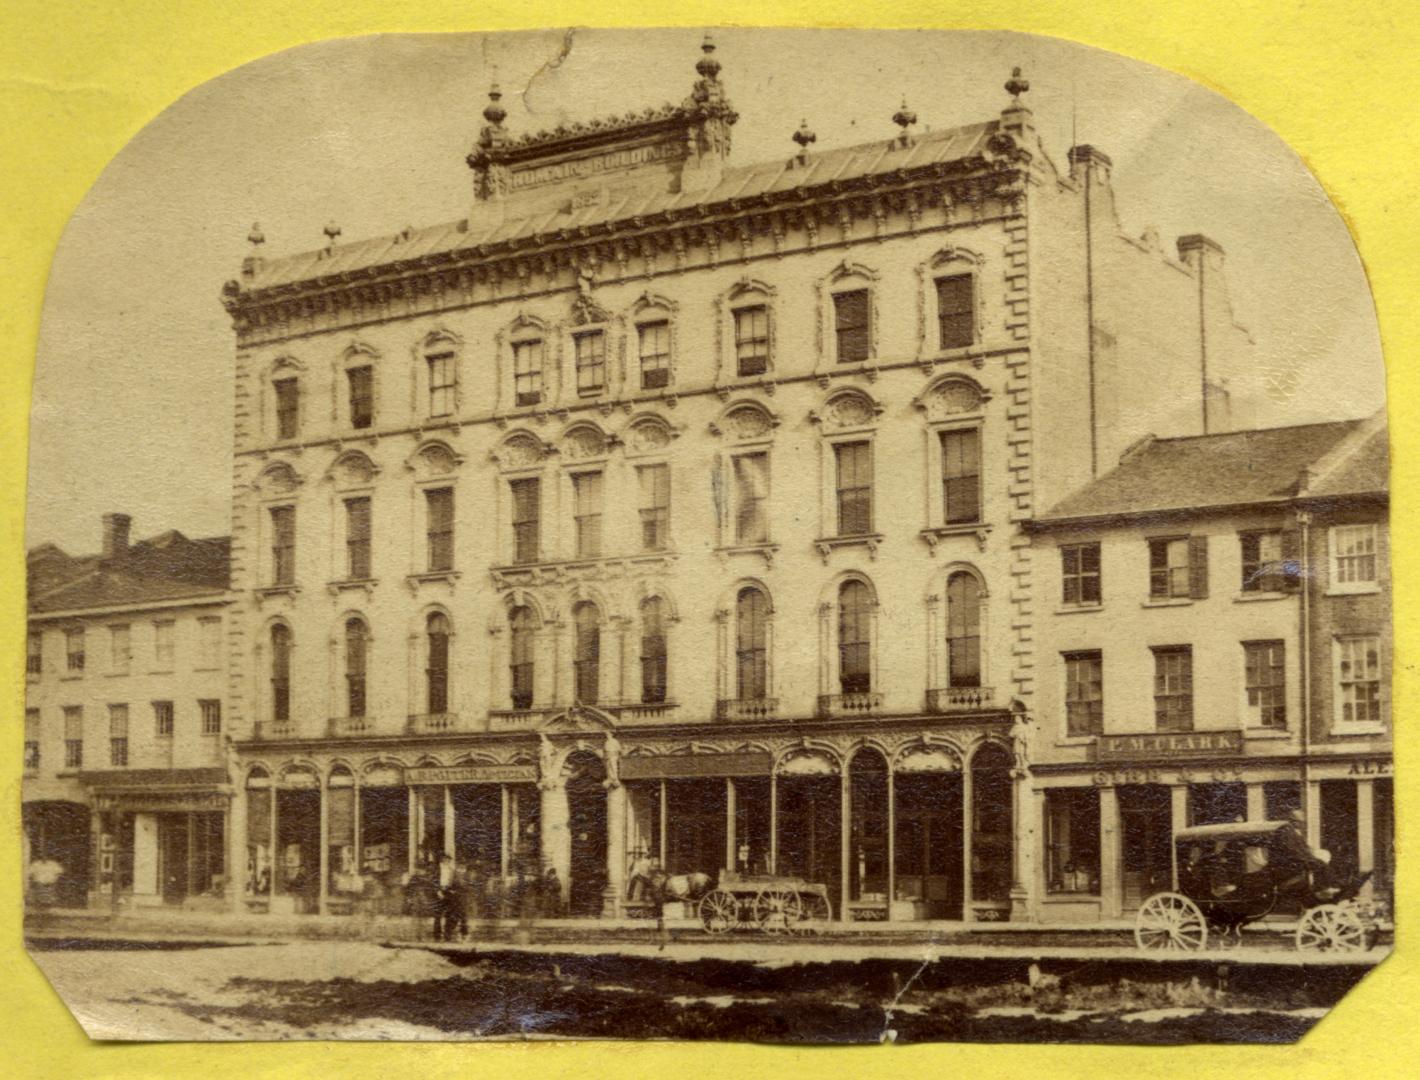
(1363, 468)
(500, 221)
(1237, 468)
(168, 566)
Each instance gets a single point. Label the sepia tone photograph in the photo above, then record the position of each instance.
(768, 535)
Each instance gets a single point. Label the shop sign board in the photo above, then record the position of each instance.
(1155, 745)
(472, 774)
(670, 766)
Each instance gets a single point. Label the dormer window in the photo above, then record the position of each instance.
(527, 371)
(590, 352)
(752, 339)
(850, 325)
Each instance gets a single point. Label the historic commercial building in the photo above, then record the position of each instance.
(667, 510)
(1217, 632)
(125, 777)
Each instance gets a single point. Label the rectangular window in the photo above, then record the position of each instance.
(527, 371)
(1353, 558)
(74, 649)
(118, 735)
(362, 396)
(283, 545)
(1080, 573)
(31, 740)
(751, 498)
(1173, 688)
(34, 654)
(1084, 693)
(527, 518)
(120, 639)
(439, 511)
(1072, 840)
(73, 737)
(1269, 561)
(1358, 679)
(850, 325)
(655, 338)
(655, 481)
(357, 539)
(163, 719)
(854, 488)
(590, 350)
(1266, 682)
(211, 710)
(209, 642)
(961, 476)
(288, 404)
(956, 326)
(752, 340)
(587, 511)
(163, 631)
(441, 383)
(1178, 567)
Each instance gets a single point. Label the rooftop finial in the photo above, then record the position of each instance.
(904, 118)
(332, 230)
(707, 65)
(804, 137)
(494, 113)
(1015, 85)
(256, 237)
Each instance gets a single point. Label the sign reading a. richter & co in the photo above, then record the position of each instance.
(1182, 744)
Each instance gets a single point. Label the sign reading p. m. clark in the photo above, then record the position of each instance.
(1181, 744)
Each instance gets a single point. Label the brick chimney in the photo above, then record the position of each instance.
(116, 535)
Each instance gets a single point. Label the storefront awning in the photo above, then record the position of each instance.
(158, 790)
(670, 766)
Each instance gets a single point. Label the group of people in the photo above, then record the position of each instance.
(454, 892)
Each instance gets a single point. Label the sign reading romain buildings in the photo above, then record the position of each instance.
(1178, 745)
(578, 168)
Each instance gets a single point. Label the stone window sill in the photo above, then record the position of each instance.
(935, 534)
(1342, 731)
(1369, 588)
(277, 590)
(365, 585)
(1263, 733)
(428, 577)
(1256, 597)
(1077, 609)
(1168, 601)
(825, 545)
(765, 551)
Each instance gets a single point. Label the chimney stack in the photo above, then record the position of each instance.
(116, 534)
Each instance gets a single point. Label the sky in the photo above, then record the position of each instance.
(132, 406)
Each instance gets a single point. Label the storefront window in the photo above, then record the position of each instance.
(867, 857)
(1072, 839)
(991, 825)
(340, 814)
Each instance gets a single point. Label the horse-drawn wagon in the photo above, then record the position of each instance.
(772, 903)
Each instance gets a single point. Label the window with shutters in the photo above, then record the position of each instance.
(73, 736)
(751, 645)
(961, 475)
(655, 351)
(655, 509)
(436, 666)
(442, 381)
(1269, 561)
(653, 651)
(1353, 558)
(1178, 567)
(586, 623)
(527, 371)
(357, 538)
(118, 736)
(288, 407)
(362, 395)
(1080, 574)
(357, 644)
(1265, 682)
(1173, 688)
(521, 656)
(851, 312)
(590, 353)
(283, 545)
(956, 324)
(855, 616)
(752, 339)
(854, 464)
(439, 525)
(1084, 693)
(751, 478)
(963, 630)
(587, 514)
(527, 518)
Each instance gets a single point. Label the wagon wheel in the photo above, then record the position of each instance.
(1170, 921)
(719, 911)
(814, 913)
(777, 910)
(1331, 928)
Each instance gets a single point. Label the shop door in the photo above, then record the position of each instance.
(586, 824)
(928, 844)
(1145, 836)
(173, 857)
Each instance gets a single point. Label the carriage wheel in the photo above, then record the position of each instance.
(814, 913)
(1330, 928)
(719, 911)
(1170, 921)
(777, 910)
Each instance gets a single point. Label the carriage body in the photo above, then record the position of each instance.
(772, 903)
(1230, 875)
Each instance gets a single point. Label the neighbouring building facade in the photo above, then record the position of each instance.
(125, 770)
(1217, 637)
(667, 511)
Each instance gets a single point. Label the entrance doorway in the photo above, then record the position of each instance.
(695, 826)
(928, 843)
(1338, 826)
(810, 836)
(298, 846)
(173, 857)
(586, 828)
(1145, 842)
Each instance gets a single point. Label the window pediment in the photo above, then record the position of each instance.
(745, 421)
(278, 478)
(520, 450)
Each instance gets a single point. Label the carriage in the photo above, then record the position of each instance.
(1234, 874)
(772, 903)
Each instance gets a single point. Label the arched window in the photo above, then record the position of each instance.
(751, 637)
(356, 646)
(587, 658)
(520, 661)
(653, 651)
(437, 669)
(963, 630)
(281, 673)
(855, 605)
